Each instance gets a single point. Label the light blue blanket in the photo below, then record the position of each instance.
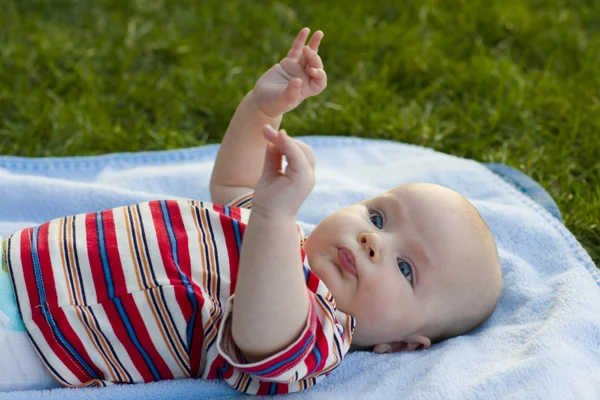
(543, 341)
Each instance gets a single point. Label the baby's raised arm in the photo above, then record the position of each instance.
(282, 88)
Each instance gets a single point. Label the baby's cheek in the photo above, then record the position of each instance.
(378, 293)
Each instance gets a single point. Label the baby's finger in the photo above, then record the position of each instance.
(273, 156)
(315, 40)
(296, 49)
(318, 81)
(292, 91)
(312, 57)
(297, 162)
(273, 160)
(308, 153)
(316, 73)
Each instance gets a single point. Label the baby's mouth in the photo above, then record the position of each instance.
(347, 260)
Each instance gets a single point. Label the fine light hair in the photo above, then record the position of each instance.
(479, 289)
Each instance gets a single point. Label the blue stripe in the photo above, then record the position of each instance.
(221, 370)
(236, 229)
(306, 272)
(273, 388)
(184, 279)
(317, 355)
(102, 248)
(46, 313)
(134, 338)
(293, 357)
(117, 300)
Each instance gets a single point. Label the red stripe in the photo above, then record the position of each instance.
(164, 247)
(181, 295)
(119, 287)
(312, 282)
(27, 269)
(214, 367)
(323, 346)
(195, 348)
(95, 261)
(230, 241)
(56, 312)
(181, 237)
(183, 255)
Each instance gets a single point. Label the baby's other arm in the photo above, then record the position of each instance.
(282, 88)
(271, 303)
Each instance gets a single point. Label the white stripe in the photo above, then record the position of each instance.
(19, 278)
(154, 251)
(223, 255)
(180, 323)
(129, 266)
(61, 280)
(82, 255)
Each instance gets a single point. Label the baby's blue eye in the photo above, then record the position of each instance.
(405, 269)
(376, 220)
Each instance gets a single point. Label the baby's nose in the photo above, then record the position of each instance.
(370, 243)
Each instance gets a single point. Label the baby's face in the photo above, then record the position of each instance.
(389, 261)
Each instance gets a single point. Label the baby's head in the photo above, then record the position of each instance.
(414, 265)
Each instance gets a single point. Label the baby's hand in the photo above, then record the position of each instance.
(298, 76)
(279, 194)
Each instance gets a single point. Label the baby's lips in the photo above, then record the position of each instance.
(347, 260)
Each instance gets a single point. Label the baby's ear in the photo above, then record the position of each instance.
(413, 342)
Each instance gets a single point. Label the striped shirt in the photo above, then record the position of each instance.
(145, 292)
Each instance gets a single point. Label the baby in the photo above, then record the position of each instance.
(168, 289)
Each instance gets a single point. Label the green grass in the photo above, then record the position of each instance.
(512, 81)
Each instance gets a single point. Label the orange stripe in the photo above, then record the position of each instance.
(212, 262)
(62, 259)
(199, 235)
(138, 233)
(128, 227)
(78, 293)
(347, 333)
(239, 200)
